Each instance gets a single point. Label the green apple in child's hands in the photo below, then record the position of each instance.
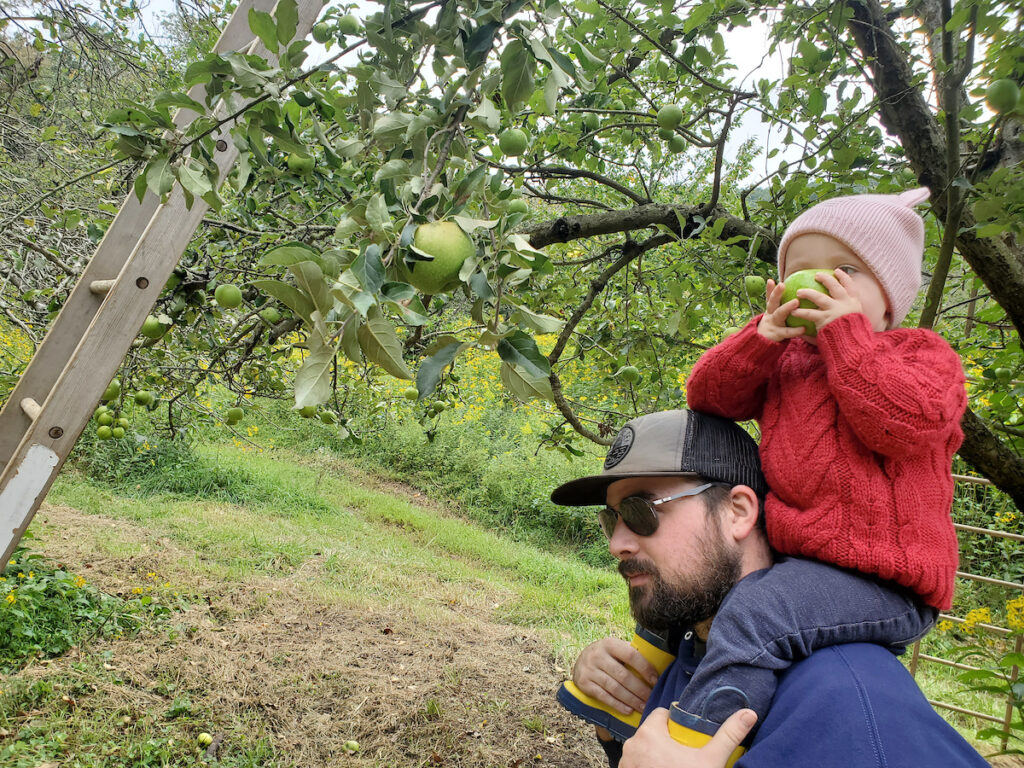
(805, 278)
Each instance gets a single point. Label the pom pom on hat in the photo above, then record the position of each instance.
(883, 230)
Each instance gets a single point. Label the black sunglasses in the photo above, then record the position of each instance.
(639, 514)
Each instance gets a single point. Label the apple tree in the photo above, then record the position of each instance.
(605, 173)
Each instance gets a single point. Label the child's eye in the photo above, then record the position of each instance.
(848, 269)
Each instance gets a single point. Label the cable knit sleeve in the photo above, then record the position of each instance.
(901, 391)
(729, 380)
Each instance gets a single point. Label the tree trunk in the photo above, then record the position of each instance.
(905, 114)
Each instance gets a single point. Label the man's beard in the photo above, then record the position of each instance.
(660, 605)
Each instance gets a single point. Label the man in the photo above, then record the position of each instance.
(684, 497)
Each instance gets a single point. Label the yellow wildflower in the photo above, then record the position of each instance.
(975, 617)
(10, 598)
(1015, 613)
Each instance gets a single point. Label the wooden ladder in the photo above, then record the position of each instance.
(58, 392)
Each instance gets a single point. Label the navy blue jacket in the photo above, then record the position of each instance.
(854, 706)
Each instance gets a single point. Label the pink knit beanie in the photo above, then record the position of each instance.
(883, 230)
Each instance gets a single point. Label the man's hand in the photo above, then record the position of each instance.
(653, 747)
(602, 671)
(841, 299)
(773, 322)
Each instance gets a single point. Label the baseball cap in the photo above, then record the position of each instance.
(672, 443)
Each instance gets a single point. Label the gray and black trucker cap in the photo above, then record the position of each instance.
(672, 443)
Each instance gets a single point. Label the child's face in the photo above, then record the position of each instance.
(816, 251)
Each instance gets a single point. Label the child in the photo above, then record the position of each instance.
(859, 425)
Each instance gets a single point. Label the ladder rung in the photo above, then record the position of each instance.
(31, 408)
(101, 287)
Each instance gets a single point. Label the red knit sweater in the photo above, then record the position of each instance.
(857, 440)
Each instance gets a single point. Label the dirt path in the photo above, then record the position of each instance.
(268, 660)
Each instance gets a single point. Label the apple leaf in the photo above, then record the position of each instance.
(288, 254)
(287, 15)
(193, 178)
(539, 323)
(429, 373)
(313, 379)
(517, 66)
(350, 338)
(380, 344)
(262, 25)
(519, 348)
(159, 177)
(524, 384)
(288, 295)
(377, 214)
(369, 269)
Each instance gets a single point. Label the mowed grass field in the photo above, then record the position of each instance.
(332, 607)
(338, 608)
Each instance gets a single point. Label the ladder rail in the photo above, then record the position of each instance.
(55, 421)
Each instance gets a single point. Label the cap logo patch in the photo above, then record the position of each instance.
(623, 442)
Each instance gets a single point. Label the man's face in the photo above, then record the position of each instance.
(680, 574)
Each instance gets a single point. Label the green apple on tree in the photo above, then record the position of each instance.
(670, 116)
(105, 419)
(518, 206)
(322, 32)
(1003, 96)
(349, 25)
(302, 165)
(112, 391)
(228, 296)
(145, 398)
(270, 315)
(629, 374)
(513, 142)
(450, 247)
(152, 328)
(104, 433)
(307, 411)
(805, 278)
(677, 144)
(754, 285)
(1003, 375)
(411, 393)
(116, 432)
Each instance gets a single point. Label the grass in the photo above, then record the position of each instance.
(316, 509)
(310, 522)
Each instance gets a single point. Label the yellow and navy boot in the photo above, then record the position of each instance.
(696, 731)
(652, 647)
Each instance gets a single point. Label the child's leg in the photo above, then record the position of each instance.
(779, 615)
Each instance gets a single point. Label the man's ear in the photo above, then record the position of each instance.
(743, 512)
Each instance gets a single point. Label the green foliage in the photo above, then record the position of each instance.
(146, 466)
(997, 660)
(45, 610)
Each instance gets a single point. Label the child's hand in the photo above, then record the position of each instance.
(841, 299)
(773, 323)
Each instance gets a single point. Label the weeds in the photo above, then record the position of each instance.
(46, 610)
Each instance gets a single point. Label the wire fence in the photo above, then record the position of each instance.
(1010, 586)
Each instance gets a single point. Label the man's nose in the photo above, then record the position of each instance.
(623, 542)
